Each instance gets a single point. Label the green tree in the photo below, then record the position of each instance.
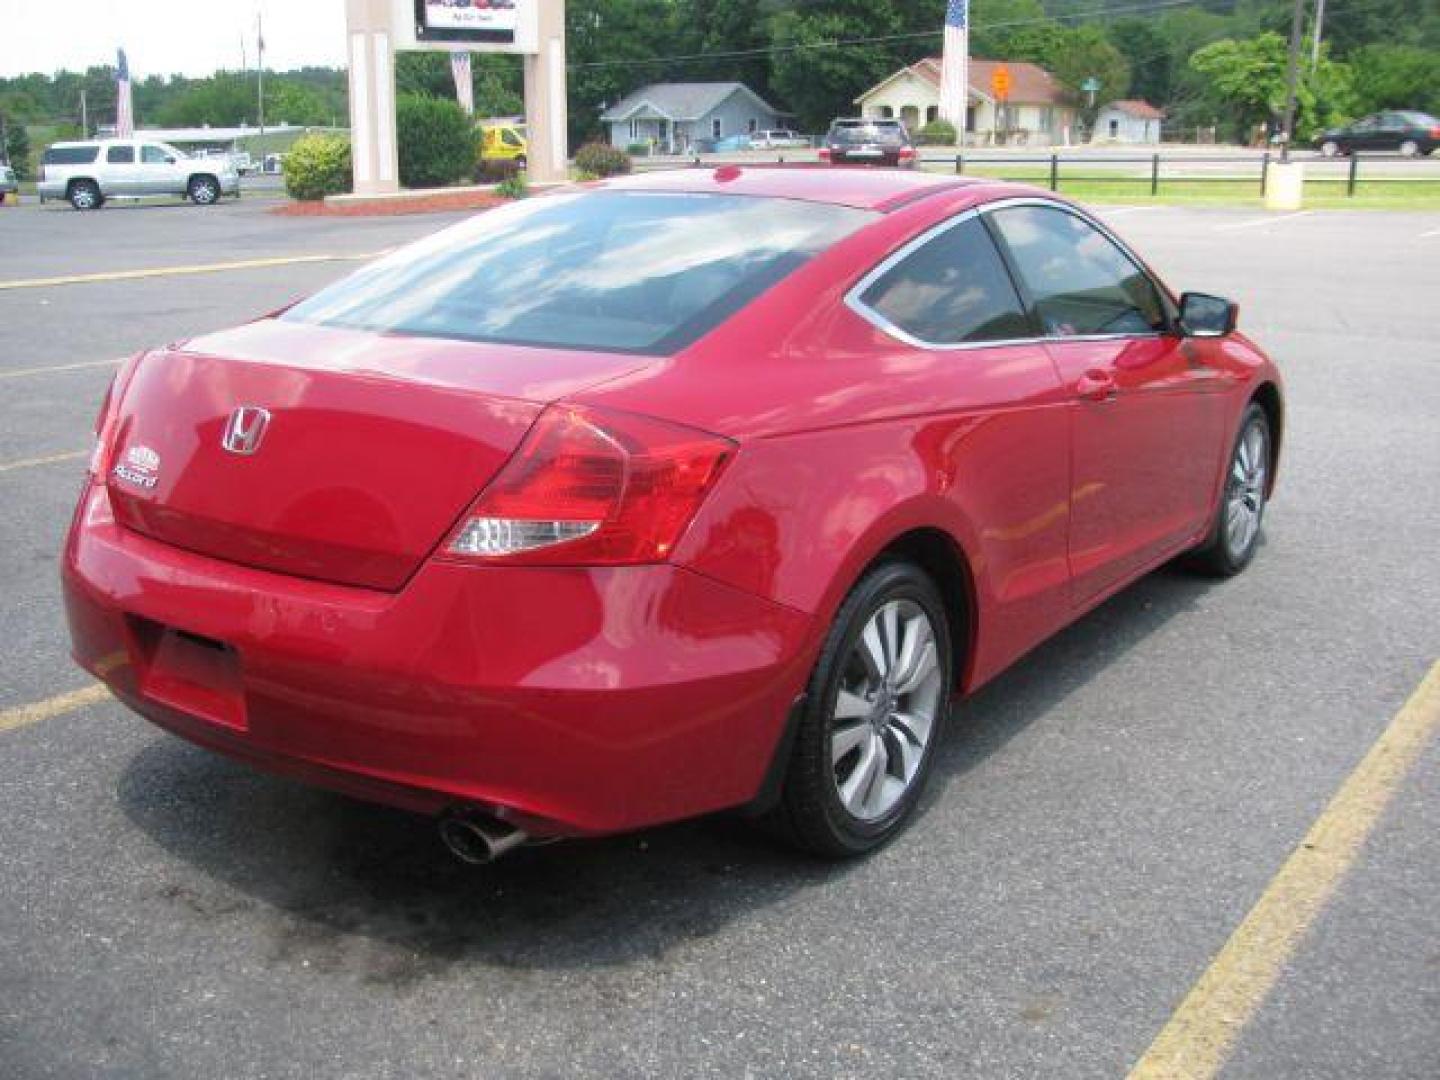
(435, 141)
(16, 150)
(820, 80)
(1149, 56)
(1396, 77)
(1247, 82)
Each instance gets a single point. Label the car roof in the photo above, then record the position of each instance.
(865, 189)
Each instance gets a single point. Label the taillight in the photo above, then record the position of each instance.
(907, 152)
(107, 420)
(592, 487)
(1435, 133)
(824, 153)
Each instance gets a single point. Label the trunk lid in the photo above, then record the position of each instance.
(372, 445)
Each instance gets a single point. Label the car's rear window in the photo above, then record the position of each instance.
(642, 272)
(69, 155)
(885, 135)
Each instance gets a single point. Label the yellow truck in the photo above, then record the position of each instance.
(504, 140)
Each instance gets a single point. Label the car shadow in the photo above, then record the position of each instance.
(349, 883)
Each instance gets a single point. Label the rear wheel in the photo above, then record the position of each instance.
(1409, 148)
(85, 195)
(874, 711)
(1236, 531)
(204, 190)
(1330, 148)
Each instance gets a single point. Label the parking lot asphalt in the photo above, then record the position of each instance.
(1102, 819)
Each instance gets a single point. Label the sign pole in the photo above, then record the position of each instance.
(546, 113)
(371, 48)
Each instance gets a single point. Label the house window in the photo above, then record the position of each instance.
(716, 131)
(1047, 119)
(886, 112)
(1114, 129)
(754, 125)
(634, 130)
(932, 113)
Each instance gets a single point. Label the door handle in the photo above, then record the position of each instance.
(1097, 385)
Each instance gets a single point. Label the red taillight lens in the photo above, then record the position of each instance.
(907, 152)
(593, 488)
(824, 153)
(104, 437)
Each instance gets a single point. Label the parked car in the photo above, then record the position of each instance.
(779, 139)
(868, 142)
(1410, 133)
(86, 174)
(732, 144)
(8, 184)
(695, 490)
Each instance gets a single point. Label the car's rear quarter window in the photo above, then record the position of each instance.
(69, 155)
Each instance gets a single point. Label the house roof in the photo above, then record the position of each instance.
(681, 101)
(1140, 110)
(1030, 84)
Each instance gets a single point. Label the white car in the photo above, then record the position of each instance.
(87, 173)
(8, 184)
(778, 139)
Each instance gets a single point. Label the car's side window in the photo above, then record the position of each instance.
(950, 290)
(153, 155)
(120, 155)
(1078, 280)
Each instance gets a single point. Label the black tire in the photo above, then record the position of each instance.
(1330, 148)
(1221, 554)
(810, 814)
(203, 190)
(1410, 148)
(85, 195)
(522, 163)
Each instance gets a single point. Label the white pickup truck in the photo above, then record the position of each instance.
(87, 173)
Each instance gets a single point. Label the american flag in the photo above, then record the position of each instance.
(464, 87)
(124, 109)
(955, 65)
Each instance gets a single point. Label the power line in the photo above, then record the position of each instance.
(801, 46)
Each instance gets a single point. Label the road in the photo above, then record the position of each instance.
(1104, 815)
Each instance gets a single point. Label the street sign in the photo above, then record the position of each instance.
(1000, 82)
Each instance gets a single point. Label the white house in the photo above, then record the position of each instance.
(674, 117)
(1035, 114)
(1128, 122)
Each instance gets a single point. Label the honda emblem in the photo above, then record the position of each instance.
(244, 430)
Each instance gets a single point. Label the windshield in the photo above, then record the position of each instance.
(636, 272)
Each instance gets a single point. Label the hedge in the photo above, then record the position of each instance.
(316, 166)
(435, 140)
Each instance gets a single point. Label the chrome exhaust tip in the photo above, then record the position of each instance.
(478, 838)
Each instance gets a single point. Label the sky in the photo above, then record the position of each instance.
(164, 37)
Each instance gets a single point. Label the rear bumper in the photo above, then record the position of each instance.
(570, 701)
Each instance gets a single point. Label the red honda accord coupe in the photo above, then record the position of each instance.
(687, 492)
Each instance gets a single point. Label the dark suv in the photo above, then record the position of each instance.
(868, 142)
(1411, 133)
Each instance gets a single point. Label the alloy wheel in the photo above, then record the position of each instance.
(1245, 490)
(204, 192)
(885, 710)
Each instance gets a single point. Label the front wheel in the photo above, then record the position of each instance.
(204, 191)
(85, 195)
(1235, 533)
(873, 714)
(1330, 148)
(1409, 148)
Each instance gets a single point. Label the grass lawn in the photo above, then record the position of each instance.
(1325, 194)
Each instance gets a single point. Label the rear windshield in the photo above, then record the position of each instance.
(69, 155)
(886, 135)
(638, 272)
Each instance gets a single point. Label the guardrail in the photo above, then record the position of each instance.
(1055, 169)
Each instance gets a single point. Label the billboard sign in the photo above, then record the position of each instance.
(474, 25)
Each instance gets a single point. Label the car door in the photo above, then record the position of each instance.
(991, 428)
(1364, 134)
(1146, 409)
(1391, 131)
(119, 174)
(160, 171)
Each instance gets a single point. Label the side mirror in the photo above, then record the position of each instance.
(169, 160)
(1202, 315)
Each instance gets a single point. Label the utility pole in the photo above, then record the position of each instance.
(1319, 29)
(260, 64)
(1292, 79)
(84, 116)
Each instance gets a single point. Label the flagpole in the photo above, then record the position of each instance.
(260, 63)
(955, 68)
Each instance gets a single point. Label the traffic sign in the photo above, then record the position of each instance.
(1000, 82)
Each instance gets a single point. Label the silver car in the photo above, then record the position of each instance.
(87, 173)
(8, 185)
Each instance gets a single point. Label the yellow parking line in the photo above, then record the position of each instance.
(21, 372)
(53, 459)
(175, 271)
(1200, 1035)
(22, 715)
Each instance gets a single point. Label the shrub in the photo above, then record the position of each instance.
(318, 165)
(515, 187)
(936, 133)
(598, 159)
(435, 140)
(496, 170)
(638, 149)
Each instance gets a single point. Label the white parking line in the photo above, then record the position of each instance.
(20, 373)
(1427, 235)
(1104, 213)
(1252, 222)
